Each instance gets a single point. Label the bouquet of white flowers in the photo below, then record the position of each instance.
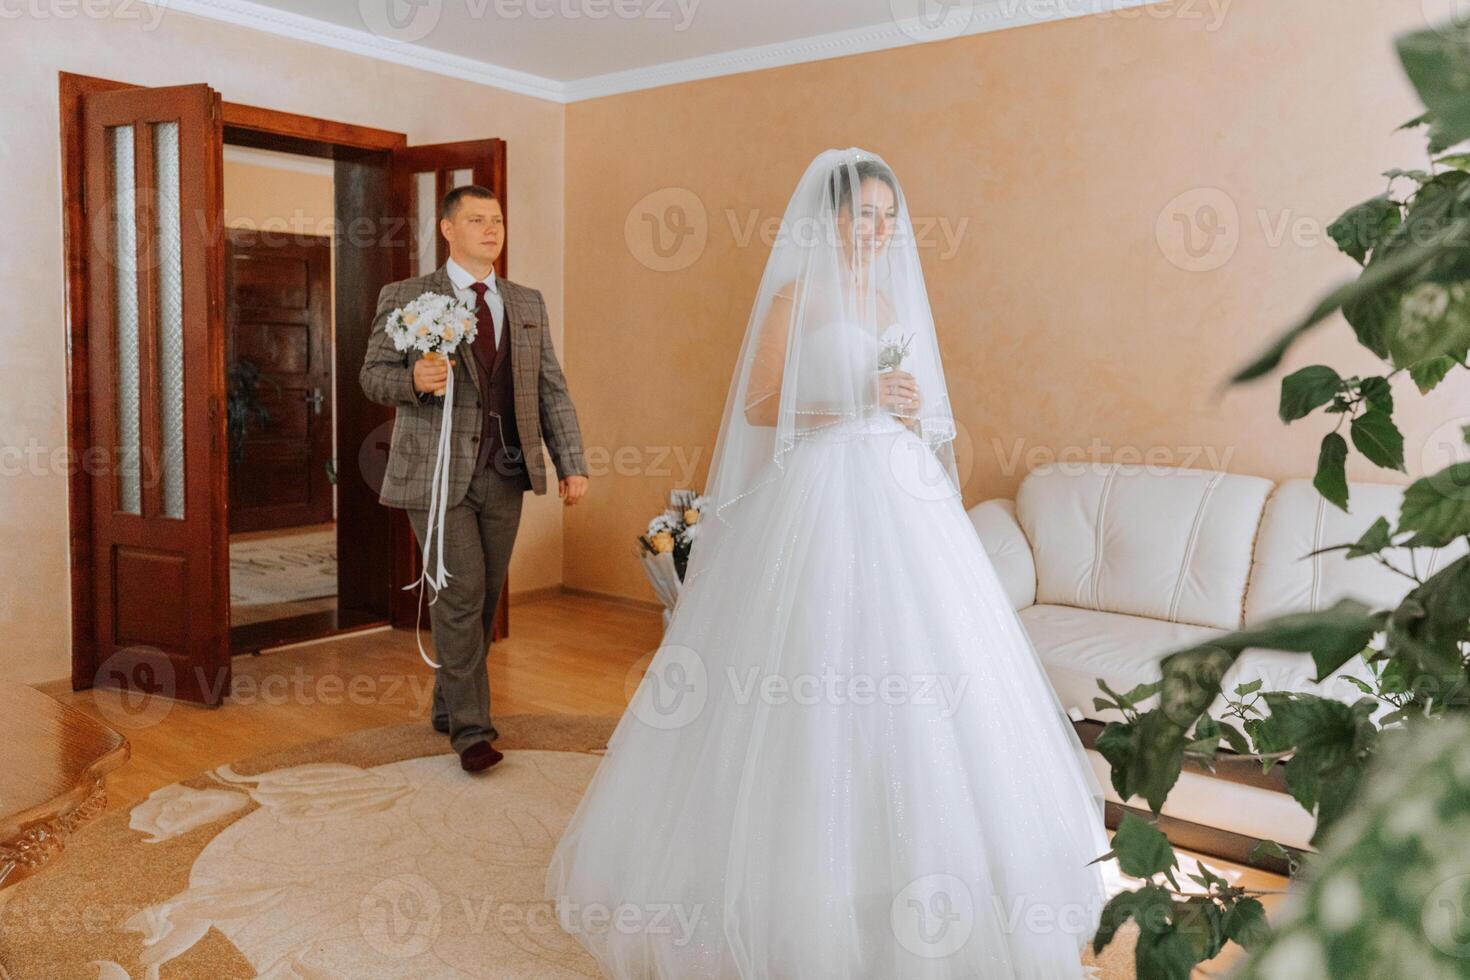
(433, 324)
(893, 350)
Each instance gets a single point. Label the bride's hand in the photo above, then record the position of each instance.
(898, 393)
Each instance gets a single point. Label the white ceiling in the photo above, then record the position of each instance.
(564, 50)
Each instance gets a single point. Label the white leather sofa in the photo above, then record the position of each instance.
(1112, 567)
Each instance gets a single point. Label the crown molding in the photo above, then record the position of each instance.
(256, 16)
(960, 20)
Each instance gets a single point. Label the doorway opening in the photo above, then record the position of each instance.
(171, 310)
(281, 398)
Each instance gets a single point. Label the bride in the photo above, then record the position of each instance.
(844, 761)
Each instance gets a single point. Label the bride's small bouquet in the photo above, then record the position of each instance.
(892, 351)
(433, 324)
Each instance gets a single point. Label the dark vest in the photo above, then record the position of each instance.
(497, 394)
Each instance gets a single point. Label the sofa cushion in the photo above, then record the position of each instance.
(1009, 551)
(1297, 522)
(1168, 544)
(1078, 646)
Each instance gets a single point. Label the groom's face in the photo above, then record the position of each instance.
(476, 232)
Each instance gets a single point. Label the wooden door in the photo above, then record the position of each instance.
(279, 324)
(421, 176)
(152, 208)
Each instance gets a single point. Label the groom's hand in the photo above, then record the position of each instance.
(431, 373)
(571, 488)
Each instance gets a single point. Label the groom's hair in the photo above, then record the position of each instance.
(450, 204)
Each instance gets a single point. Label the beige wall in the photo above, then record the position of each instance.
(249, 67)
(275, 198)
(1053, 151)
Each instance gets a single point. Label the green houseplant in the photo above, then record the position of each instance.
(1410, 306)
(244, 406)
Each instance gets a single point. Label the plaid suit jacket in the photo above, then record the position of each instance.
(543, 404)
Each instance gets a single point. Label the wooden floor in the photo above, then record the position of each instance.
(566, 654)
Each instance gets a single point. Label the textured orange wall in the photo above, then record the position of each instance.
(1073, 319)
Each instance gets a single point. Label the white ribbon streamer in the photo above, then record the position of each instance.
(434, 522)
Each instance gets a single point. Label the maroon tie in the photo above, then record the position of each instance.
(484, 326)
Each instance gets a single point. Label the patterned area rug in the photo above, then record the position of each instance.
(283, 568)
(366, 855)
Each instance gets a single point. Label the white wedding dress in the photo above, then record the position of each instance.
(845, 761)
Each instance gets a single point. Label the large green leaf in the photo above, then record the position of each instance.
(1331, 478)
(1333, 636)
(1142, 849)
(1203, 924)
(1306, 390)
(1387, 895)
(1164, 956)
(1158, 755)
(1115, 744)
(1375, 539)
(1377, 392)
(1437, 507)
(1374, 317)
(1150, 906)
(1377, 438)
(1428, 374)
(1414, 257)
(1331, 744)
(1429, 626)
(1245, 923)
(1433, 321)
(1363, 226)
(1434, 60)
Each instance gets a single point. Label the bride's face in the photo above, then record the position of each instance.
(868, 227)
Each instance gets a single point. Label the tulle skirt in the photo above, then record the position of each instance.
(845, 760)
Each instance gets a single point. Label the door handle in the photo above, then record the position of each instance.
(314, 398)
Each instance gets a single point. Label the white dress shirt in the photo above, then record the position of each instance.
(462, 281)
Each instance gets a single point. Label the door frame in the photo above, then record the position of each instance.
(244, 125)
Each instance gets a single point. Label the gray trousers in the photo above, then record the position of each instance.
(478, 534)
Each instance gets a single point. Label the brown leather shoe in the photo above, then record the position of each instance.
(481, 755)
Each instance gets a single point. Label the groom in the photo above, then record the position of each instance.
(509, 394)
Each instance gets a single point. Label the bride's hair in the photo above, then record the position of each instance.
(840, 187)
